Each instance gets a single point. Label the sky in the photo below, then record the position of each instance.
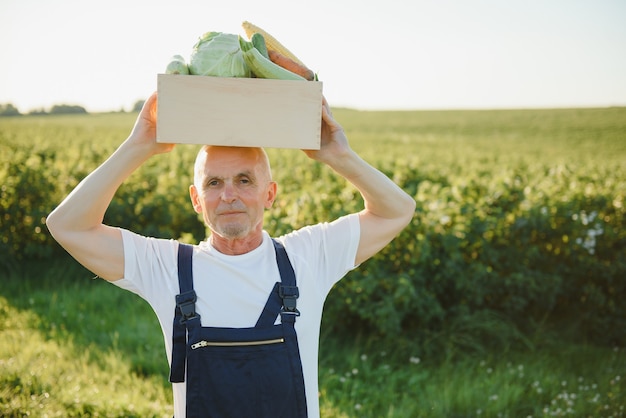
(383, 55)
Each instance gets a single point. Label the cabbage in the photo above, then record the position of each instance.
(218, 54)
(177, 65)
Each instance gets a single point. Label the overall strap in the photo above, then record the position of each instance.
(185, 310)
(282, 300)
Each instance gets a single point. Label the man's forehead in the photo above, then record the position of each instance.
(216, 172)
(229, 162)
(226, 155)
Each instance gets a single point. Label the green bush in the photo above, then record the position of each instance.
(520, 214)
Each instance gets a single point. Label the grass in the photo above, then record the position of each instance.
(570, 380)
(72, 346)
(76, 347)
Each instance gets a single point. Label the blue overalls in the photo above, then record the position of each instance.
(239, 372)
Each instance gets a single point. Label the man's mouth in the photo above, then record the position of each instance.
(230, 212)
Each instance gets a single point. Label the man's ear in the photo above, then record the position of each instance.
(271, 194)
(195, 198)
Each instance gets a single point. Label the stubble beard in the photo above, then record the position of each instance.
(233, 231)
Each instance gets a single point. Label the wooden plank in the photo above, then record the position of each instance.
(239, 111)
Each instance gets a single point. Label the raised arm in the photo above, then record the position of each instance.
(388, 209)
(77, 222)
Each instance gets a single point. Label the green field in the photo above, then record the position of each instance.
(503, 298)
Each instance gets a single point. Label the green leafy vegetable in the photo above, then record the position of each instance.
(177, 65)
(218, 54)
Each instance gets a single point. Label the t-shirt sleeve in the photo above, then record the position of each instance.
(326, 250)
(150, 267)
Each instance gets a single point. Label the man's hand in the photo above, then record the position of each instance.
(334, 144)
(144, 131)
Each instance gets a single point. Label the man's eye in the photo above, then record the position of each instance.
(213, 183)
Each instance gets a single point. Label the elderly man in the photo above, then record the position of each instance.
(240, 311)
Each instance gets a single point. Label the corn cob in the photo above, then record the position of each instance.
(270, 42)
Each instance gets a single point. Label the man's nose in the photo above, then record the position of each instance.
(229, 194)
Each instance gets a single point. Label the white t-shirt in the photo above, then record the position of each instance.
(232, 290)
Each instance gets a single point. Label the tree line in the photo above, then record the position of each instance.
(8, 109)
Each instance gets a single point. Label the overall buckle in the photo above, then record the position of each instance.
(186, 303)
(289, 295)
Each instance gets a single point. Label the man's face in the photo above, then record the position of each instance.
(232, 189)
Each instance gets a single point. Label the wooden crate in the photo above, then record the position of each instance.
(239, 111)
